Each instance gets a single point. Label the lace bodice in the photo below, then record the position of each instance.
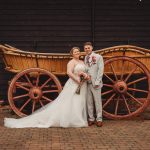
(78, 68)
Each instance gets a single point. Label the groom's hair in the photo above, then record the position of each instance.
(87, 43)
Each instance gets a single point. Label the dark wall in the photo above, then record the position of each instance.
(58, 25)
(51, 26)
(122, 22)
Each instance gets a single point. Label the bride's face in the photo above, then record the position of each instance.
(76, 53)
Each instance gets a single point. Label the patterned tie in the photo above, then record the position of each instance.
(87, 60)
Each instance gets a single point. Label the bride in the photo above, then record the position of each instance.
(67, 110)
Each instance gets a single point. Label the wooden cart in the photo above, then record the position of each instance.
(126, 90)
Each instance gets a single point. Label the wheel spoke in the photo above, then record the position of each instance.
(33, 106)
(22, 87)
(127, 106)
(113, 70)
(21, 96)
(108, 85)
(122, 71)
(110, 99)
(25, 104)
(137, 90)
(37, 80)
(46, 98)
(138, 80)
(107, 92)
(109, 78)
(117, 104)
(28, 80)
(25, 84)
(50, 91)
(45, 83)
(41, 103)
(135, 99)
(129, 75)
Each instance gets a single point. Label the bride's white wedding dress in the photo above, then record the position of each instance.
(67, 110)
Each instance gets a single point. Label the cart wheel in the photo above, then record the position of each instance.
(31, 89)
(126, 90)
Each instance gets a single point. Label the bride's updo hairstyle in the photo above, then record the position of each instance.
(71, 51)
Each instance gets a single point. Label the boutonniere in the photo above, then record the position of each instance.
(93, 60)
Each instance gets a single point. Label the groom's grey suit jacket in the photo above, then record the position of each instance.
(95, 68)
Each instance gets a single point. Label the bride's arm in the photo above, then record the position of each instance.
(70, 68)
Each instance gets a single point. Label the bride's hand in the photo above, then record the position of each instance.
(78, 81)
(83, 74)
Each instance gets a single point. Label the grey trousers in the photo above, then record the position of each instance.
(94, 97)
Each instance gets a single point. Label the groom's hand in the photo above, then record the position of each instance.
(88, 77)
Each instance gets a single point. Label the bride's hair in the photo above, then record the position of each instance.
(71, 51)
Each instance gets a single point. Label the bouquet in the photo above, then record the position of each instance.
(83, 77)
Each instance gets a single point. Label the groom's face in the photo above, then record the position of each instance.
(88, 49)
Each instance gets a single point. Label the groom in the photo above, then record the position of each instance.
(95, 65)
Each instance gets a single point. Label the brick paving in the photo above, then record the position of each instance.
(114, 135)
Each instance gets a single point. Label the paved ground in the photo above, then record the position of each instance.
(114, 135)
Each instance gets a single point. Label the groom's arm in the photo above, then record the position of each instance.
(100, 71)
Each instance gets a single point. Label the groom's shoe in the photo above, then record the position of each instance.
(90, 123)
(99, 123)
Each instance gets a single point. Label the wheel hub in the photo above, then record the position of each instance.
(35, 93)
(120, 87)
